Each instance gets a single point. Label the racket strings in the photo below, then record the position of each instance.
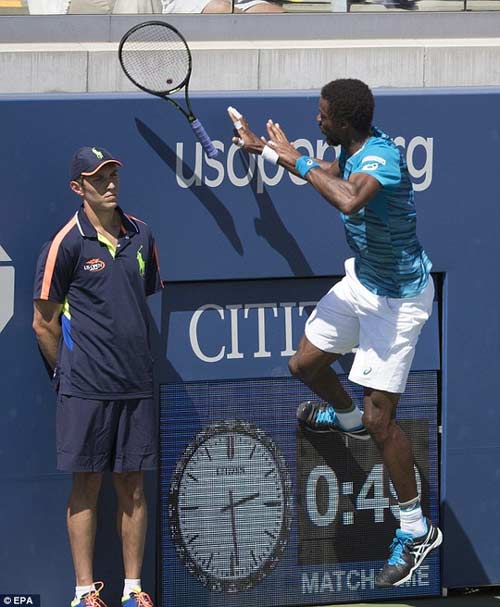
(156, 58)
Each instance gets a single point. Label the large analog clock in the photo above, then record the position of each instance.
(230, 506)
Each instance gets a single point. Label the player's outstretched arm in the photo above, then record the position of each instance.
(246, 138)
(288, 153)
(251, 143)
(347, 196)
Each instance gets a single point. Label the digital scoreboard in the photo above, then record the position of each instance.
(255, 511)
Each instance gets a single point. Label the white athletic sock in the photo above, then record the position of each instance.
(349, 419)
(131, 586)
(81, 590)
(411, 518)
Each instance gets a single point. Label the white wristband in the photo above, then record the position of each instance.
(270, 155)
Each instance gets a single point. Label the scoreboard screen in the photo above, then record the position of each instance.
(256, 511)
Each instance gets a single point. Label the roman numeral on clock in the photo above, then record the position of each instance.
(209, 562)
(230, 446)
(273, 503)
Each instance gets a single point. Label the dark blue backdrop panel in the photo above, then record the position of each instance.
(214, 222)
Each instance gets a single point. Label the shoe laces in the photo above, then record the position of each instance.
(398, 546)
(143, 599)
(325, 416)
(92, 599)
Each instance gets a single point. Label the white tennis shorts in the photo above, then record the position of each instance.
(384, 330)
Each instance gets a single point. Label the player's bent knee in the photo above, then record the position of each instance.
(377, 425)
(298, 369)
(293, 366)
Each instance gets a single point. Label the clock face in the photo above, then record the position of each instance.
(230, 506)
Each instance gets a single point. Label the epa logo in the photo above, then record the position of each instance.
(7, 280)
(21, 599)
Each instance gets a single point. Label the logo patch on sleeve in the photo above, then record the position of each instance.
(370, 166)
(372, 158)
(94, 265)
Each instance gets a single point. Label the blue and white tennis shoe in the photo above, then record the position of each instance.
(321, 417)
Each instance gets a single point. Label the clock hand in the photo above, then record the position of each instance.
(240, 502)
(233, 526)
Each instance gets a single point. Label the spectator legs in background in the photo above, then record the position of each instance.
(218, 6)
(115, 7)
(409, 5)
(48, 7)
(254, 6)
(91, 7)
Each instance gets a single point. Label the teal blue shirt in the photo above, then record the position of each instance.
(389, 259)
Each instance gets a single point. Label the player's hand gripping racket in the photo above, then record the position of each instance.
(157, 59)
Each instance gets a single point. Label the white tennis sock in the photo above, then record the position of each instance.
(131, 586)
(81, 590)
(411, 518)
(349, 419)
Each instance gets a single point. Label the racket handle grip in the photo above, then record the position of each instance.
(204, 139)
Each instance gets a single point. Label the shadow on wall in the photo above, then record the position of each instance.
(268, 225)
(469, 567)
(212, 204)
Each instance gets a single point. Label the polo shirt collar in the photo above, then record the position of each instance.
(87, 230)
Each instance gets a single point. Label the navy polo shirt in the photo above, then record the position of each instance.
(105, 351)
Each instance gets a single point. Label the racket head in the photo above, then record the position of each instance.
(155, 56)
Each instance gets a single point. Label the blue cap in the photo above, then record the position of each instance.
(88, 160)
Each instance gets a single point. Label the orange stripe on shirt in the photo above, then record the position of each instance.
(155, 252)
(50, 264)
(134, 218)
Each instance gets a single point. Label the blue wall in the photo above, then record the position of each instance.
(220, 228)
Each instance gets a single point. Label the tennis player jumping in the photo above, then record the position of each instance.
(379, 306)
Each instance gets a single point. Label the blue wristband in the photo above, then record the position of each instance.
(304, 164)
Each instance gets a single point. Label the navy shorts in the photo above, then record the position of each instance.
(99, 435)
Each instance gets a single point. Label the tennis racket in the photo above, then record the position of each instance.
(156, 58)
